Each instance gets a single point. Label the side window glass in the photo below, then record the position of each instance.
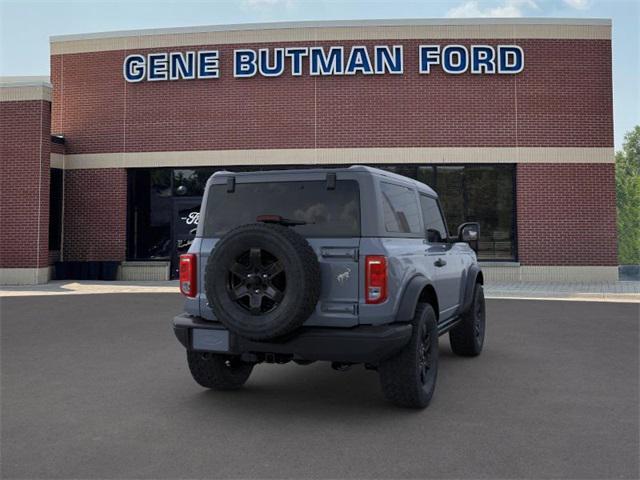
(400, 209)
(433, 221)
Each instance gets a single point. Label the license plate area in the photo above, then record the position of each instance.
(210, 340)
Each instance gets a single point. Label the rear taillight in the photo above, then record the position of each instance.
(375, 278)
(188, 271)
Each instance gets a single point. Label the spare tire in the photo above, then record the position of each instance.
(262, 281)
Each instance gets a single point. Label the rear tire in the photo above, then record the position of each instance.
(408, 379)
(218, 372)
(467, 338)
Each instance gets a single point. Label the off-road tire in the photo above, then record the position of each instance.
(299, 297)
(467, 337)
(218, 372)
(401, 377)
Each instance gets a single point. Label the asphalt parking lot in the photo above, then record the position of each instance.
(96, 386)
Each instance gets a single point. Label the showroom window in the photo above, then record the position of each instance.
(474, 193)
(483, 194)
(149, 214)
(162, 202)
(189, 182)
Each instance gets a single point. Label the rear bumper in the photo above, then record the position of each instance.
(362, 344)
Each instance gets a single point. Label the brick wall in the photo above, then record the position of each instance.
(57, 148)
(24, 183)
(562, 98)
(566, 214)
(95, 214)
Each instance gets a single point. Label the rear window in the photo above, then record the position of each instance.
(328, 213)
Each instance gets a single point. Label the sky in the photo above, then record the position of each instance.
(25, 26)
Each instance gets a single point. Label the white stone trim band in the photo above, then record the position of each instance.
(333, 156)
(24, 276)
(16, 89)
(146, 271)
(57, 160)
(549, 273)
(433, 29)
(25, 93)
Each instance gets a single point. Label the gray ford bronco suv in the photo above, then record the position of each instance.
(347, 265)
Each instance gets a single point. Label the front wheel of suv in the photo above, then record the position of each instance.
(408, 379)
(467, 338)
(218, 372)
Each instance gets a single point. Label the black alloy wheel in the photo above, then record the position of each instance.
(467, 337)
(479, 320)
(424, 357)
(408, 378)
(257, 281)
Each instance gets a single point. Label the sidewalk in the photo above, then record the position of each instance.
(579, 291)
(84, 287)
(593, 292)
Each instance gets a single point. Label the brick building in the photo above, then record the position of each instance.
(509, 120)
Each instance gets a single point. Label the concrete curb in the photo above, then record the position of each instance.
(588, 297)
(626, 292)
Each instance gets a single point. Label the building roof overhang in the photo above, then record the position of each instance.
(15, 89)
(459, 28)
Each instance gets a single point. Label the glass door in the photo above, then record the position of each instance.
(186, 213)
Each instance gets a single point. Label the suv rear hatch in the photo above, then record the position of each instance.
(329, 213)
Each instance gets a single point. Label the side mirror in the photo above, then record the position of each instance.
(470, 233)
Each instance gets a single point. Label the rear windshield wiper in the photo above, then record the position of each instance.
(277, 219)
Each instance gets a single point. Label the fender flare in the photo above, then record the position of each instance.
(409, 300)
(469, 285)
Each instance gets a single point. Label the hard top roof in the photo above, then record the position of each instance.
(315, 171)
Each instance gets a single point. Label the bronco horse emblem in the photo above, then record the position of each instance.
(344, 276)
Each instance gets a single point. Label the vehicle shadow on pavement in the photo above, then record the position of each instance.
(313, 390)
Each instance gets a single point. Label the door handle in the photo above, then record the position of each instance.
(440, 263)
